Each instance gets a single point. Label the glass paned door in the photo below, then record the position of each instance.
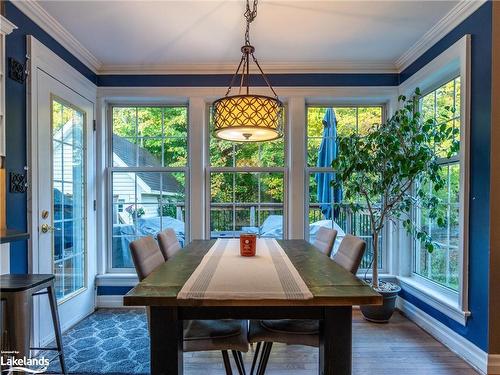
(68, 197)
(63, 210)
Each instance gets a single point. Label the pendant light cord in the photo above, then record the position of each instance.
(250, 16)
(248, 50)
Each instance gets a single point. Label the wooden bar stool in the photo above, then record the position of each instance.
(16, 293)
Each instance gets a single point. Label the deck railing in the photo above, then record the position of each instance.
(226, 217)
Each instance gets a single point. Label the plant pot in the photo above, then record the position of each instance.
(382, 313)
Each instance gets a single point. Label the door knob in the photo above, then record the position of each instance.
(48, 228)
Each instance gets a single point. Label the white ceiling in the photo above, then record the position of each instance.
(184, 33)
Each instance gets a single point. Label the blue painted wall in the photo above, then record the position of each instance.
(479, 25)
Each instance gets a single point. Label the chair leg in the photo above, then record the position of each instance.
(264, 358)
(239, 362)
(227, 363)
(57, 328)
(255, 356)
(240, 356)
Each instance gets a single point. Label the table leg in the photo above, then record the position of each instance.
(335, 349)
(166, 341)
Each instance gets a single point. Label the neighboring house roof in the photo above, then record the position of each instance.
(126, 150)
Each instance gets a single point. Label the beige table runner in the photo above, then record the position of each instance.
(224, 274)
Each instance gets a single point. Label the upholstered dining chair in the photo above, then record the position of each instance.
(169, 244)
(325, 238)
(199, 335)
(299, 331)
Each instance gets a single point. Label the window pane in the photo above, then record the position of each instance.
(271, 221)
(125, 151)
(149, 152)
(257, 206)
(367, 118)
(346, 121)
(175, 152)
(145, 203)
(442, 265)
(221, 153)
(272, 154)
(247, 154)
(312, 151)
(443, 105)
(271, 187)
(175, 121)
(221, 187)
(149, 122)
(125, 121)
(246, 188)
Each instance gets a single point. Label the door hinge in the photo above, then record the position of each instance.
(95, 205)
(95, 125)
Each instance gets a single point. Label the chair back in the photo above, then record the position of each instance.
(325, 238)
(350, 253)
(169, 244)
(146, 256)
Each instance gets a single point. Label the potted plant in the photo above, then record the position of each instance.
(389, 170)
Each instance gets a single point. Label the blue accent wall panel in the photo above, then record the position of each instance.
(479, 25)
(222, 80)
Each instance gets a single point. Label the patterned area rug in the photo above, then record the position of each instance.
(110, 341)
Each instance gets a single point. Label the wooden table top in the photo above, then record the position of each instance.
(329, 283)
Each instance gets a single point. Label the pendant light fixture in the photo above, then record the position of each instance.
(248, 117)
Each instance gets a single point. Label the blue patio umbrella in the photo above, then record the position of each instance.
(326, 154)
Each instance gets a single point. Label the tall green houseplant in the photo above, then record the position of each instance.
(391, 168)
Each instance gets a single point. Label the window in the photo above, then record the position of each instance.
(247, 188)
(321, 149)
(442, 266)
(147, 174)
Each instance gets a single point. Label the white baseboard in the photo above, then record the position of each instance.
(109, 301)
(473, 355)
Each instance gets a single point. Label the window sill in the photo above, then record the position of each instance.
(117, 279)
(443, 304)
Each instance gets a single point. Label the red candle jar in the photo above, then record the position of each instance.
(248, 245)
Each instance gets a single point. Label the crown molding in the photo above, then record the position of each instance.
(51, 26)
(268, 67)
(6, 27)
(451, 20)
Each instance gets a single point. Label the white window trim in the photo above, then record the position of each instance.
(453, 62)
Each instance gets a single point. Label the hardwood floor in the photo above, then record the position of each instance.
(399, 348)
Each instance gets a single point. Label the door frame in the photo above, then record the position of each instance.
(42, 58)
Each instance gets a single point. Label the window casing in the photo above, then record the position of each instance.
(350, 120)
(447, 294)
(246, 188)
(147, 175)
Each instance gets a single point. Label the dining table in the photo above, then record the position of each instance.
(333, 293)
